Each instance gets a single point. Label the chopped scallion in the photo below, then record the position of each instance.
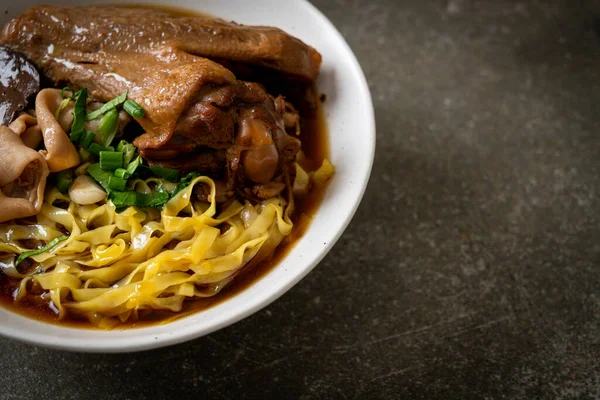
(115, 186)
(64, 179)
(95, 149)
(133, 109)
(128, 151)
(185, 182)
(61, 107)
(66, 88)
(121, 145)
(79, 115)
(84, 154)
(122, 173)
(108, 127)
(107, 106)
(75, 136)
(47, 247)
(111, 160)
(132, 166)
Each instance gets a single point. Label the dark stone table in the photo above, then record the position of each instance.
(471, 269)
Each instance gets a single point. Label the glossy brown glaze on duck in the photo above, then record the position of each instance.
(196, 109)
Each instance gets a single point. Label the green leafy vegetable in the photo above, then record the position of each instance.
(133, 109)
(125, 199)
(64, 179)
(47, 247)
(99, 175)
(169, 174)
(107, 106)
(116, 183)
(131, 198)
(185, 182)
(79, 115)
(108, 127)
(87, 139)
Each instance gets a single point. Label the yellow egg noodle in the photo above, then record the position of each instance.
(114, 264)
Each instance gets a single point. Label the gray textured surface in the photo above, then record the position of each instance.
(471, 268)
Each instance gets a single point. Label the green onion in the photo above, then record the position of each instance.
(131, 198)
(128, 155)
(122, 173)
(105, 178)
(108, 127)
(115, 187)
(169, 174)
(185, 182)
(121, 145)
(62, 93)
(87, 139)
(133, 109)
(84, 154)
(125, 199)
(116, 183)
(107, 106)
(111, 160)
(132, 166)
(99, 175)
(47, 247)
(75, 136)
(61, 107)
(127, 149)
(95, 149)
(78, 115)
(64, 179)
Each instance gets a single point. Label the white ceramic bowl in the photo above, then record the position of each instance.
(351, 124)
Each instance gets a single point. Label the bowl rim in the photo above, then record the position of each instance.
(146, 342)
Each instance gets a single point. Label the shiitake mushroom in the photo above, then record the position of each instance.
(19, 82)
